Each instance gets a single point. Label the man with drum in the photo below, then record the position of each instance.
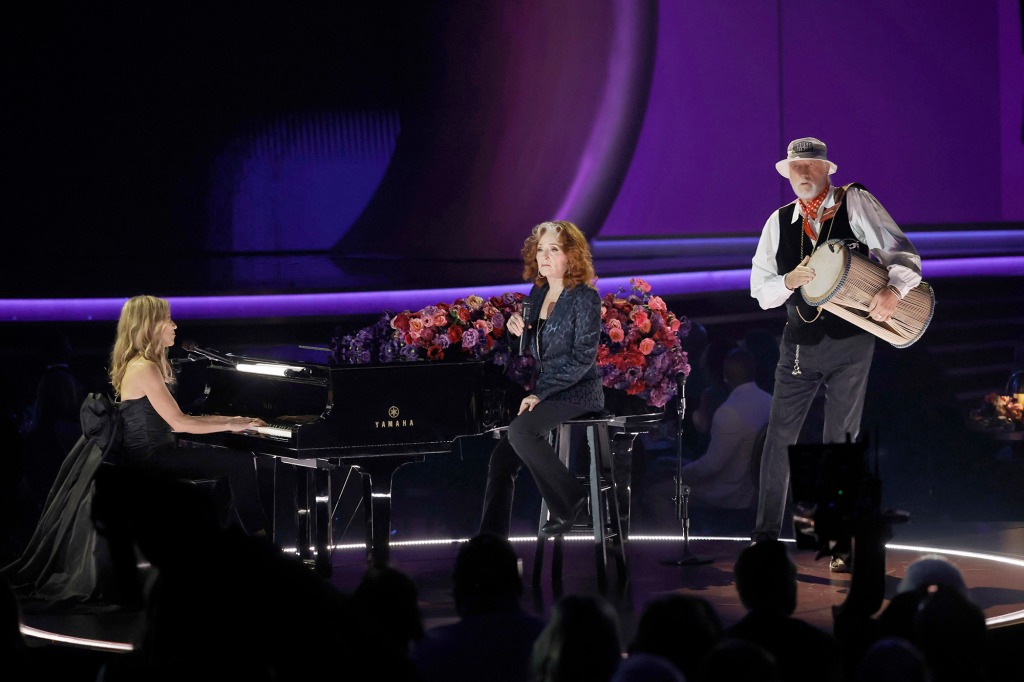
(818, 347)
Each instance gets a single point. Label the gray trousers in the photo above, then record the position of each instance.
(842, 365)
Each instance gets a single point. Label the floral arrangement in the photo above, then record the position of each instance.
(640, 351)
(999, 412)
(471, 328)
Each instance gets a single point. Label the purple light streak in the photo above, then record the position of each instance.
(373, 302)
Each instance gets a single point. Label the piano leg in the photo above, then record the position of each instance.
(311, 481)
(377, 475)
(320, 520)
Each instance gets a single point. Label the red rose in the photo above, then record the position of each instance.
(455, 334)
(636, 388)
(434, 352)
(401, 322)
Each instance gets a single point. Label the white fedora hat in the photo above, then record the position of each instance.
(803, 149)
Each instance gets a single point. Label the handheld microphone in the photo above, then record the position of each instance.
(191, 347)
(526, 326)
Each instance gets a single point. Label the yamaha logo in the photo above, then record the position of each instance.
(393, 422)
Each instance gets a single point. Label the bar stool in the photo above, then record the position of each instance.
(605, 520)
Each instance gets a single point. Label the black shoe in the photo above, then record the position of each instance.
(559, 526)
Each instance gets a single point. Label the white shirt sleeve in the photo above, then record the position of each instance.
(766, 284)
(873, 225)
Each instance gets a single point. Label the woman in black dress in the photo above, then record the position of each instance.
(141, 374)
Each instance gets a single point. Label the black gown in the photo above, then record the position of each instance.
(66, 561)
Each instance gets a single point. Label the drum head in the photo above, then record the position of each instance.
(830, 262)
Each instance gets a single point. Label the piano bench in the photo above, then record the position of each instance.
(605, 520)
(218, 491)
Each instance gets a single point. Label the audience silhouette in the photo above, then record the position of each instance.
(581, 642)
(386, 605)
(679, 628)
(219, 604)
(892, 659)
(766, 582)
(647, 668)
(494, 638)
(738, 659)
(13, 650)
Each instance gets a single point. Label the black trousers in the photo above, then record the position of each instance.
(527, 441)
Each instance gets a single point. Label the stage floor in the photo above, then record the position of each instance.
(990, 556)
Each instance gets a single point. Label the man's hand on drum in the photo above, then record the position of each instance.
(799, 276)
(882, 305)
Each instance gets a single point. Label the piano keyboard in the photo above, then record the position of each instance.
(275, 431)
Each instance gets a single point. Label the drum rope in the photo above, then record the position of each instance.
(815, 248)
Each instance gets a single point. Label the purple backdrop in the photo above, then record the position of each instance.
(920, 101)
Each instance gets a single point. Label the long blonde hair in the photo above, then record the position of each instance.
(137, 337)
(580, 267)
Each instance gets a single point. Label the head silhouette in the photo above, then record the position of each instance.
(486, 576)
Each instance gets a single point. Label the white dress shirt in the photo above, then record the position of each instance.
(722, 476)
(871, 224)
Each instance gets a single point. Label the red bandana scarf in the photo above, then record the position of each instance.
(810, 210)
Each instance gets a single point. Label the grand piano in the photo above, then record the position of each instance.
(375, 419)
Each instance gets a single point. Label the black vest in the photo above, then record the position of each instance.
(791, 235)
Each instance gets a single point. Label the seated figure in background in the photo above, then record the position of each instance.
(723, 476)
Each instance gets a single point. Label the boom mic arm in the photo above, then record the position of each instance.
(191, 347)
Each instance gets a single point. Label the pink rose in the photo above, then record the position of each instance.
(656, 303)
(616, 334)
(646, 346)
(440, 320)
(415, 325)
(641, 285)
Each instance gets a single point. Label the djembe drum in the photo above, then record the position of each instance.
(844, 284)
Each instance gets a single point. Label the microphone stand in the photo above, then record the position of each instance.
(682, 494)
(211, 355)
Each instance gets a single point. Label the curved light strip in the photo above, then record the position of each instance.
(625, 88)
(375, 302)
(78, 641)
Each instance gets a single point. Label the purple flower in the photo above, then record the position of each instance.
(470, 338)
